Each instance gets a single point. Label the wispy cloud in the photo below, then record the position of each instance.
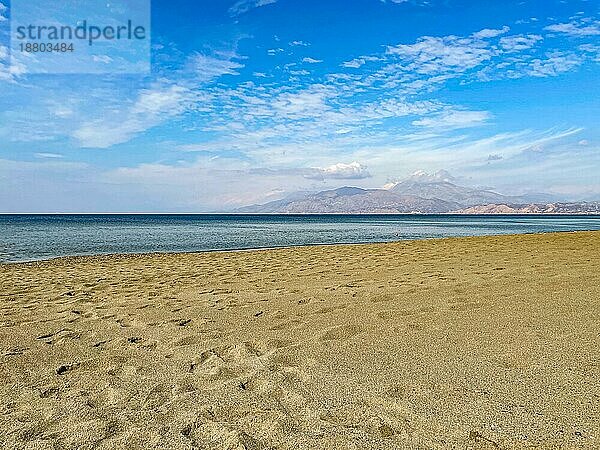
(48, 155)
(210, 67)
(432, 55)
(341, 171)
(520, 42)
(398, 1)
(9, 71)
(491, 33)
(151, 108)
(359, 62)
(243, 6)
(577, 28)
(431, 62)
(159, 103)
(554, 64)
(454, 119)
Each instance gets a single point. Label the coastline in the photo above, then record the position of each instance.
(282, 247)
(471, 342)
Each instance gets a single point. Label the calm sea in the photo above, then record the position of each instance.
(34, 237)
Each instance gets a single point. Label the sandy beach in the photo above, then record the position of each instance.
(470, 343)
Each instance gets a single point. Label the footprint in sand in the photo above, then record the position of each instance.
(181, 322)
(480, 441)
(67, 368)
(16, 351)
(329, 309)
(48, 392)
(286, 325)
(53, 338)
(341, 332)
(379, 298)
(192, 339)
(249, 365)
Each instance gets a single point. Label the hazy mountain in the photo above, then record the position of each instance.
(550, 208)
(348, 200)
(441, 185)
(420, 193)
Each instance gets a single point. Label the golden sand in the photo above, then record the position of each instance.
(489, 342)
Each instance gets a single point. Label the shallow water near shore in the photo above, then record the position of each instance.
(36, 237)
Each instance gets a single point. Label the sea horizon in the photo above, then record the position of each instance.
(37, 237)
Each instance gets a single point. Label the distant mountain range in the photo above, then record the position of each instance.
(443, 186)
(421, 193)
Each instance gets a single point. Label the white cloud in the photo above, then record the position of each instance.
(207, 68)
(490, 33)
(520, 42)
(312, 60)
(434, 55)
(48, 155)
(454, 119)
(301, 105)
(9, 72)
(341, 171)
(159, 103)
(576, 28)
(151, 108)
(592, 51)
(429, 63)
(360, 61)
(243, 6)
(102, 58)
(554, 64)
(355, 63)
(61, 110)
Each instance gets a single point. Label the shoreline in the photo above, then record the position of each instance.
(261, 249)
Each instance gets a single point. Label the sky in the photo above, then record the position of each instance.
(248, 101)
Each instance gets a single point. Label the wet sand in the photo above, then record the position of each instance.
(485, 342)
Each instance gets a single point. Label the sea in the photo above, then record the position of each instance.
(37, 237)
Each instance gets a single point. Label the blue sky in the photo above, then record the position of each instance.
(251, 100)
